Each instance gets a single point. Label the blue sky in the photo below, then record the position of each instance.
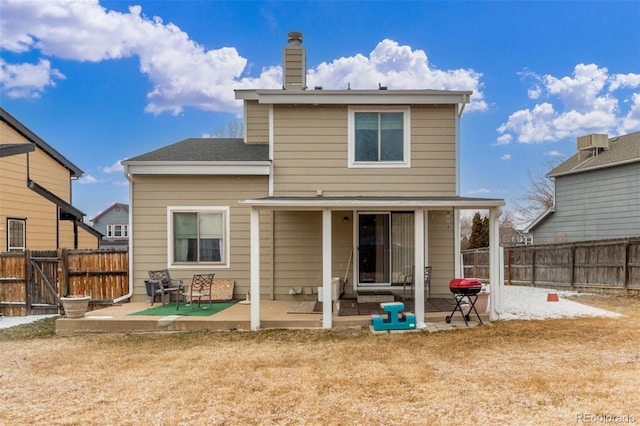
(102, 81)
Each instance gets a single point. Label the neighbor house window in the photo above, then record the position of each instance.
(379, 138)
(199, 235)
(117, 231)
(16, 237)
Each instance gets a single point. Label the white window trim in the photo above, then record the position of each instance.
(379, 164)
(24, 234)
(199, 209)
(111, 231)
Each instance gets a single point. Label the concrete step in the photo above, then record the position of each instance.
(375, 296)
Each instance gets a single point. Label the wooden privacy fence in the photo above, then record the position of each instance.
(606, 266)
(32, 282)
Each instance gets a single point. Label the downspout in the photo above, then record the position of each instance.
(131, 233)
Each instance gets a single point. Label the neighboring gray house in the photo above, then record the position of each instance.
(597, 193)
(113, 223)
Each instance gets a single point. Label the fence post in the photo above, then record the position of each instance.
(533, 267)
(27, 281)
(625, 268)
(509, 264)
(63, 272)
(572, 266)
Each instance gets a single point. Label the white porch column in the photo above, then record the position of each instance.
(255, 268)
(496, 265)
(327, 304)
(418, 274)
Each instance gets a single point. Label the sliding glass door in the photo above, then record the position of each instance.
(385, 248)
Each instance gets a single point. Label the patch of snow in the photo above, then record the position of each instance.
(7, 322)
(528, 303)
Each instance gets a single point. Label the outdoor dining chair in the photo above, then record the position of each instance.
(200, 287)
(410, 281)
(162, 284)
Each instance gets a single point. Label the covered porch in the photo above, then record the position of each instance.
(380, 279)
(274, 314)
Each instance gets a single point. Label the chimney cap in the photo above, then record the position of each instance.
(294, 38)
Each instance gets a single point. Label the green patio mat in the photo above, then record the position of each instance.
(185, 310)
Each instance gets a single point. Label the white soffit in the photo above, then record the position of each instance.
(356, 97)
(397, 203)
(198, 168)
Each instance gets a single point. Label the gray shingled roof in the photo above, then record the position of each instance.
(622, 150)
(207, 149)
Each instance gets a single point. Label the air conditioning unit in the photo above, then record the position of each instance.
(593, 141)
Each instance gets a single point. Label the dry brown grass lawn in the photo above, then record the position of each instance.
(515, 372)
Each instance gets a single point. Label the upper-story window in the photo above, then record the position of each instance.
(379, 137)
(16, 237)
(198, 235)
(117, 231)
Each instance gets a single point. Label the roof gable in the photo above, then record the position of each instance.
(622, 150)
(113, 206)
(24, 131)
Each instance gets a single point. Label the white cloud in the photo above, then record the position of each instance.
(534, 93)
(505, 157)
(397, 67)
(87, 180)
(27, 80)
(554, 154)
(503, 140)
(632, 120)
(183, 73)
(114, 168)
(479, 191)
(576, 105)
(624, 80)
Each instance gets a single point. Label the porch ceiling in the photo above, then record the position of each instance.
(359, 203)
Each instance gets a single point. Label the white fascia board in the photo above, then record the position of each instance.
(320, 203)
(365, 97)
(246, 94)
(198, 168)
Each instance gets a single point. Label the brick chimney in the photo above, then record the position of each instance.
(295, 63)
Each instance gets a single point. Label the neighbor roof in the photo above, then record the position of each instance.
(108, 209)
(24, 131)
(207, 149)
(622, 150)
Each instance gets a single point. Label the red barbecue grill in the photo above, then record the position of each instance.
(465, 289)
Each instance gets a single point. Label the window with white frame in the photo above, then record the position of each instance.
(16, 237)
(117, 231)
(379, 137)
(198, 235)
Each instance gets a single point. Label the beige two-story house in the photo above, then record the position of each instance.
(36, 210)
(342, 192)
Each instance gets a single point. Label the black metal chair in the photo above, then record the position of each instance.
(200, 287)
(162, 284)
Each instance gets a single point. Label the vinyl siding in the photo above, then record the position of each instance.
(298, 252)
(257, 122)
(18, 201)
(153, 194)
(441, 252)
(594, 205)
(315, 156)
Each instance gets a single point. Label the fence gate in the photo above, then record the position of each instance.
(42, 282)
